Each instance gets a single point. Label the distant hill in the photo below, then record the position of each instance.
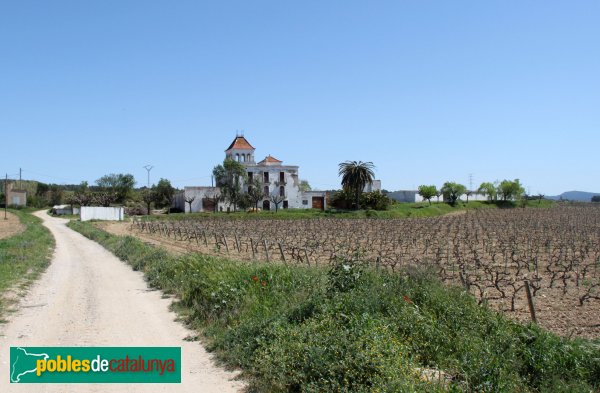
(575, 196)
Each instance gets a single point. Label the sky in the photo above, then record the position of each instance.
(435, 91)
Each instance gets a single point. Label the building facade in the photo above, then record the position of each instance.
(279, 182)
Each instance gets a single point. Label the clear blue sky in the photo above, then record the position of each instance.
(428, 91)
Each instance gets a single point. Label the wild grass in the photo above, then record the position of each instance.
(25, 255)
(397, 210)
(349, 328)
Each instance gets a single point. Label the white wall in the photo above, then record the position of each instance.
(102, 213)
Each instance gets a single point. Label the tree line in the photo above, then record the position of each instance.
(506, 190)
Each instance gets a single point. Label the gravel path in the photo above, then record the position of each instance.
(88, 297)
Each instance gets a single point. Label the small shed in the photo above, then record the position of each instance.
(17, 197)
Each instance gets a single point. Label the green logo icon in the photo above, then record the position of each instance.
(95, 365)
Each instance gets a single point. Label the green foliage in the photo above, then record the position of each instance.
(344, 199)
(489, 190)
(119, 184)
(510, 190)
(163, 193)
(228, 177)
(452, 191)
(304, 186)
(355, 176)
(256, 192)
(374, 200)
(25, 255)
(596, 198)
(350, 328)
(428, 192)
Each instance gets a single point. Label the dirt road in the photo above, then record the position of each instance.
(88, 297)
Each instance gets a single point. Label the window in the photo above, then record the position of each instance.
(305, 202)
(281, 191)
(250, 176)
(266, 177)
(266, 190)
(282, 177)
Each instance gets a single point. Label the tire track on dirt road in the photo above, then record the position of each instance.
(88, 297)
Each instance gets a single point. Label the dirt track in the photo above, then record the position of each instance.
(88, 297)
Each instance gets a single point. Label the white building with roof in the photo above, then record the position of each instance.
(276, 179)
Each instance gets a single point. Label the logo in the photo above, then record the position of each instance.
(95, 364)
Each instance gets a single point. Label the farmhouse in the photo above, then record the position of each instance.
(277, 180)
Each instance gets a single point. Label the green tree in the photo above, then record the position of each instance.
(510, 190)
(452, 191)
(304, 186)
(119, 184)
(428, 192)
(148, 197)
(355, 176)
(164, 193)
(488, 189)
(229, 177)
(596, 198)
(256, 192)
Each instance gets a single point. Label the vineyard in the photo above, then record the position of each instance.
(499, 255)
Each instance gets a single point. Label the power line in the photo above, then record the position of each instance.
(148, 168)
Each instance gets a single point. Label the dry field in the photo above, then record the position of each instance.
(11, 226)
(489, 252)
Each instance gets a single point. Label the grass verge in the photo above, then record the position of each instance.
(24, 256)
(349, 328)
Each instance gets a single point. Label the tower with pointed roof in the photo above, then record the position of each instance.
(240, 150)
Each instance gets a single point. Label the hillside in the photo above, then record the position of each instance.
(581, 196)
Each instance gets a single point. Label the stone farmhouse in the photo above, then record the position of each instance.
(276, 178)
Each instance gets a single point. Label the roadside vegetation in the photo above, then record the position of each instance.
(23, 256)
(351, 328)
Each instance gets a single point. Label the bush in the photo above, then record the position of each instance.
(350, 328)
(374, 200)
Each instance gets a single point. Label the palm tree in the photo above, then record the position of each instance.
(355, 176)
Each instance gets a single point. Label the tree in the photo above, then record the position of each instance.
(164, 193)
(452, 191)
(55, 195)
(215, 197)
(596, 198)
(148, 196)
(468, 194)
(104, 198)
(541, 196)
(489, 190)
(256, 192)
(277, 197)
(82, 196)
(304, 186)
(510, 189)
(228, 177)
(438, 194)
(189, 201)
(428, 192)
(355, 176)
(119, 184)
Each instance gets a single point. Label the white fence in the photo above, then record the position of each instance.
(102, 213)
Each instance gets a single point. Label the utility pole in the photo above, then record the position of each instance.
(5, 196)
(470, 182)
(148, 168)
(20, 183)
